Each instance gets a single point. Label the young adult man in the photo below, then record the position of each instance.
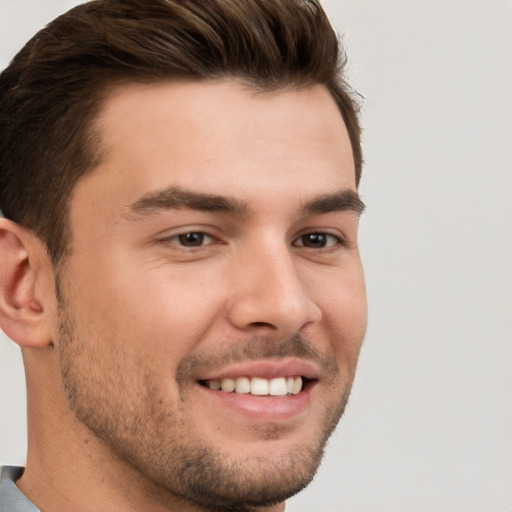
(179, 257)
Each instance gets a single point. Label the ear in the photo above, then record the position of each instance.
(23, 261)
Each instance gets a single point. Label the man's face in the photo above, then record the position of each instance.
(216, 244)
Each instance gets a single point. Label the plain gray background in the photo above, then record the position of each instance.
(429, 425)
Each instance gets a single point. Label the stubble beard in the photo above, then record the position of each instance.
(132, 421)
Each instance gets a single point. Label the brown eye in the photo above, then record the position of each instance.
(317, 240)
(191, 239)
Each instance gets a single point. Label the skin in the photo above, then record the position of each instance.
(115, 356)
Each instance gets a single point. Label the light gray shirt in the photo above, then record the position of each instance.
(11, 498)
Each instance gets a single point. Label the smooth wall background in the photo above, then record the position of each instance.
(429, 425)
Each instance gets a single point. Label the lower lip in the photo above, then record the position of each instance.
(263, 409)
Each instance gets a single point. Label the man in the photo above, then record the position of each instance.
(179, 258)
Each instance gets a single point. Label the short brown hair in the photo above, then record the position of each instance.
(52, 90)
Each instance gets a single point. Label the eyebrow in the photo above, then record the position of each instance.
(343, 200)
(177, 198)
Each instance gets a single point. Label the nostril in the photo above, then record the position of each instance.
(263, 324)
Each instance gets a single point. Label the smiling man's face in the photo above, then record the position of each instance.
(214, 246)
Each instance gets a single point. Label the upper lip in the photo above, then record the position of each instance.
(266, 369)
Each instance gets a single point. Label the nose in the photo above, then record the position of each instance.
(268, 295)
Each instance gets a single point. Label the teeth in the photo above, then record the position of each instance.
(243, 385)
(227, 385)
(258, 386)
(213, 384)
(297, 385)
(277, 387)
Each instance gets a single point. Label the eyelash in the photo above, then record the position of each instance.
(197, 239)
(327, 237)
(179, 238)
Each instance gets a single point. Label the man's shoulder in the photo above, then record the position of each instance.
(11, 498)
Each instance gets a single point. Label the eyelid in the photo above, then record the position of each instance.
(337, 238)
(179, 235)
(172, 237)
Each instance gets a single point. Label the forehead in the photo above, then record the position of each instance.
(214, 135)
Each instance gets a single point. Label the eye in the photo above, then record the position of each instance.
(317, 241)
(191, 239)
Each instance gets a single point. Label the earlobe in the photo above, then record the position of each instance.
(22, 315)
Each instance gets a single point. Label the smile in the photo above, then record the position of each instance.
(258, 386)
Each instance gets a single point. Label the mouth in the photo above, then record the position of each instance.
(263, 392)
(260, 386)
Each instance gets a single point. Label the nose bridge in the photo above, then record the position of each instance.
(271, 292)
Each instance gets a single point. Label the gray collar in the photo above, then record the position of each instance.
(11, 498)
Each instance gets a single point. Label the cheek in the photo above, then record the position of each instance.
(158, 310)
(344, 313)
